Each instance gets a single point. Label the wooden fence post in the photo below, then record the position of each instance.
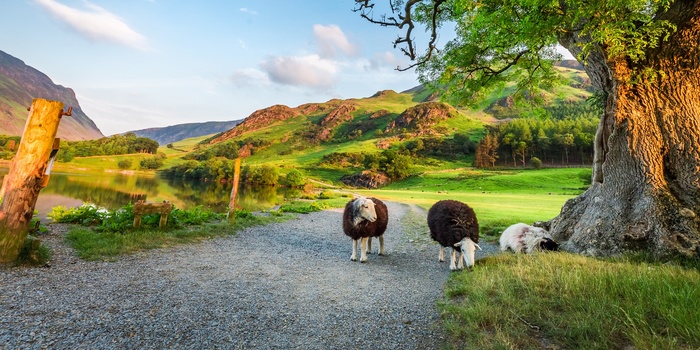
(234, 190)
(27, 176)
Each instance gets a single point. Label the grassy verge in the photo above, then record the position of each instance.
(565, 301)
(93, 245)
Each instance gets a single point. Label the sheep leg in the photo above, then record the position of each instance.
(363, 250)
(369, 245)
(460, 260)
(452, 260)
(381, 245)
(353, 257)
(442, 254)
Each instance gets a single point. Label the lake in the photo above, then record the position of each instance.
(113, 190)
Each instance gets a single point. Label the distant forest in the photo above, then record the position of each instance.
(107, 146)
(114, 145)
(564, 137)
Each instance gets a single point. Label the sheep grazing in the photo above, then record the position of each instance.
(453, 224)
(364, 218)
(523, 238)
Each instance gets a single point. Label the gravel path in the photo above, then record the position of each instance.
(288, 285)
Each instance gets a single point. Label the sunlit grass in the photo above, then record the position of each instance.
(565, 301)
(93, 245)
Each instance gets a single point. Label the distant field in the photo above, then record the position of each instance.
(499, 198)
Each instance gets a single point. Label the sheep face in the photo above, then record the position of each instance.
(467, 248)
(549, 244)
(363, 209)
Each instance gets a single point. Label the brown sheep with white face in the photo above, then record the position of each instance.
(364, 218)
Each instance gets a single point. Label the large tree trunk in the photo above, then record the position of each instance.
(645, 194)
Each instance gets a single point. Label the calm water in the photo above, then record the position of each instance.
(114, 190)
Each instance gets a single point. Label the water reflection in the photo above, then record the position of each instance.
(114, 190)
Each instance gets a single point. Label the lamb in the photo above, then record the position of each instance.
(364, 218)
(453, 224)
(523, 238)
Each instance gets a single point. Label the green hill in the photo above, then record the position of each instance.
(330, 139)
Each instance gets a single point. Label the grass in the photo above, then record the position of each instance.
(565, 301)
(499, 198)
(93, 245)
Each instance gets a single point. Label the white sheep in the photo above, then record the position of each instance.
(524, 238)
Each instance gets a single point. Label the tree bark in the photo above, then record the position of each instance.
(26, 177)
(645, 194)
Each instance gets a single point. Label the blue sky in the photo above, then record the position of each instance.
(137, 64)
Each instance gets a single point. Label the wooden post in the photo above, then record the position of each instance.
(234, 190)
(142, 208)
(26, 176)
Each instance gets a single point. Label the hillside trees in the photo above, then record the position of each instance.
(643, 58)
(107, 146)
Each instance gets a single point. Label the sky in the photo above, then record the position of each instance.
(137, 64)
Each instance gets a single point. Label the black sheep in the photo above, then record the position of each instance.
(453, 224)
(364, 218)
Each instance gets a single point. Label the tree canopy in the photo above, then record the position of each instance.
(497, 42)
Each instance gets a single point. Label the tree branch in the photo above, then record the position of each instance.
(366, 7)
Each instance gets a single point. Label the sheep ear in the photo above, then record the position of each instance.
(458, 244)
(476, 245)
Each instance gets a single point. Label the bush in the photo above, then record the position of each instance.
(295, 179)
(325, 194)
(261, 175)
(125, 164)
(152, 163)
(536, 163)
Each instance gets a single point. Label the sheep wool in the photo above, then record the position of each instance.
(364, 218)
(524, 238)
(453, 224)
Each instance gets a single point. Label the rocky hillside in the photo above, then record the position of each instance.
(385, 118)
(174, 133)
(20, 84)
(259, 119)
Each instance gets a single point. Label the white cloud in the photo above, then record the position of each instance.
(308, 71)
(245, 10)
(330, 39)
(95, 23)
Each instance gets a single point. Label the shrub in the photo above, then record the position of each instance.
(152, 163)
(536, 163)
(325, 194)
(295, 179)
(125, 164)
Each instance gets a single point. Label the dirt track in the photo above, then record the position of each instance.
(280, 286)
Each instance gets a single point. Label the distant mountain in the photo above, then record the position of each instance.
(174, 133)
(20, 84)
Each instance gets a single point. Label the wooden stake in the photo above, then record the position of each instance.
(234, 190)
(26, 176)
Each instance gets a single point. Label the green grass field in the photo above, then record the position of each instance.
(499, 198)
(566, 301)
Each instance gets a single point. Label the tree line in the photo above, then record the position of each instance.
(564, 138)
(127, 143)
(107, 146)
